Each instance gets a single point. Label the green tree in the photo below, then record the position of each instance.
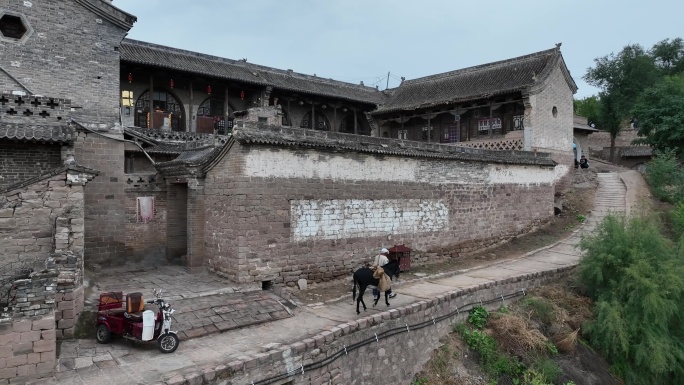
(636, 278)
(669, 55)
(621, 77)
(588, 107)
(660, 112)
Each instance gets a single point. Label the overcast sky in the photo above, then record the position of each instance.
(363, 40)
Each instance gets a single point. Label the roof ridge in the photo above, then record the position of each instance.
(248, 65)
(482, 66)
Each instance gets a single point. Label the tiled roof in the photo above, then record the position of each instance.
(294, 137)
(636, 151)
(133, 51)
(480, 82)
(189, 161)
(30, 132)
(584, 127)
(70, 166)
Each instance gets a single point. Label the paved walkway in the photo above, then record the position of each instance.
(90, 363)
(204, 303)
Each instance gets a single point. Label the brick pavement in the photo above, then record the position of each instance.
(85, 362)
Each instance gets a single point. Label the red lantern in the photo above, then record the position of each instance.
(171, 83)
(209, 90)
(130, 78)
(242, 95)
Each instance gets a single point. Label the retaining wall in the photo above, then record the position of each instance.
(350, 354)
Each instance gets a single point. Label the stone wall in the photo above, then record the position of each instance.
(22, 160)
(27, 335)
(387, 347)
(41, 217)
(70, 52)
(69, 293)
(271, 213)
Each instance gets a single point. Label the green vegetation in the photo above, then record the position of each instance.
(636, 277)
(645, 84)
(666, 177)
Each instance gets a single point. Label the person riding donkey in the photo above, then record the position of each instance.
(383, 262)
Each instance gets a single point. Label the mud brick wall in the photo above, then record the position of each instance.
(146, 242)
(36, 219)
(280, 214)
(27, 338)
(20, 161)
(393, 360)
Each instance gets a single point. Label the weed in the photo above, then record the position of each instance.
(420, 381)
(547, 369)
(552, 348)
(582, 218)
(478, 317)
(540, 309)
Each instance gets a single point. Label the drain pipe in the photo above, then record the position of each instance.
(117, 139)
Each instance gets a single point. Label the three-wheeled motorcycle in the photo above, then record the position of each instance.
(134, 322)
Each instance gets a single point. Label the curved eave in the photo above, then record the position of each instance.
(463, 99)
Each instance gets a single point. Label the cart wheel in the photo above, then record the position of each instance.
(103, 335)
(168, 343)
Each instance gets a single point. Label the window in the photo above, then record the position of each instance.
(402, 134)
(127, 102)
(518, 122)
(12, 27)
(263, 119)
(483, 124)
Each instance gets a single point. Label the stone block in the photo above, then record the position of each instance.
(44, 346)
(6, 213)
(16, 360)
(30, 336)
(45, 323)
(22, 325)
(66, 323)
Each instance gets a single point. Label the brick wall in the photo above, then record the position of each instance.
(177, 220)
(550, 122)
(42, 217)
(105, 197)
(146, 241)
(71, 53)
(252, 221)
(20, 161)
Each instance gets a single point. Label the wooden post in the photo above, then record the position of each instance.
(312, 123)
(334, 127)
(428, 129)
(402, 128)
(150, 100)
(226, 110)
(192, 122)
(491, 132)
(289, 113)
(356, 128)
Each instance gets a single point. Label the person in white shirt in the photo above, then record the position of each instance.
(381, 260)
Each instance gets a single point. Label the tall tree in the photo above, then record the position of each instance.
(660, 111)
(621, 78)
(669, 55)
(589, 107)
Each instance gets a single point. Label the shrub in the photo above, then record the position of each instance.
(478, 317)
(541, 309)
(677, 219)
(636, 277)
(666, 177)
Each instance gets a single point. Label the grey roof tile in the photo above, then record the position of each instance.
(42, 133)
(133, 51)
(479, 82)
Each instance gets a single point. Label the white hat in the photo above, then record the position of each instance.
(384, 251)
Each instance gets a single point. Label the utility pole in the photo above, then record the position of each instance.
(387, 85)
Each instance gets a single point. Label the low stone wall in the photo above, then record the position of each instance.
(69, 294)
(387, 347)
(27, 334)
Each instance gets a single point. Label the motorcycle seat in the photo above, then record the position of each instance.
(135, 305)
